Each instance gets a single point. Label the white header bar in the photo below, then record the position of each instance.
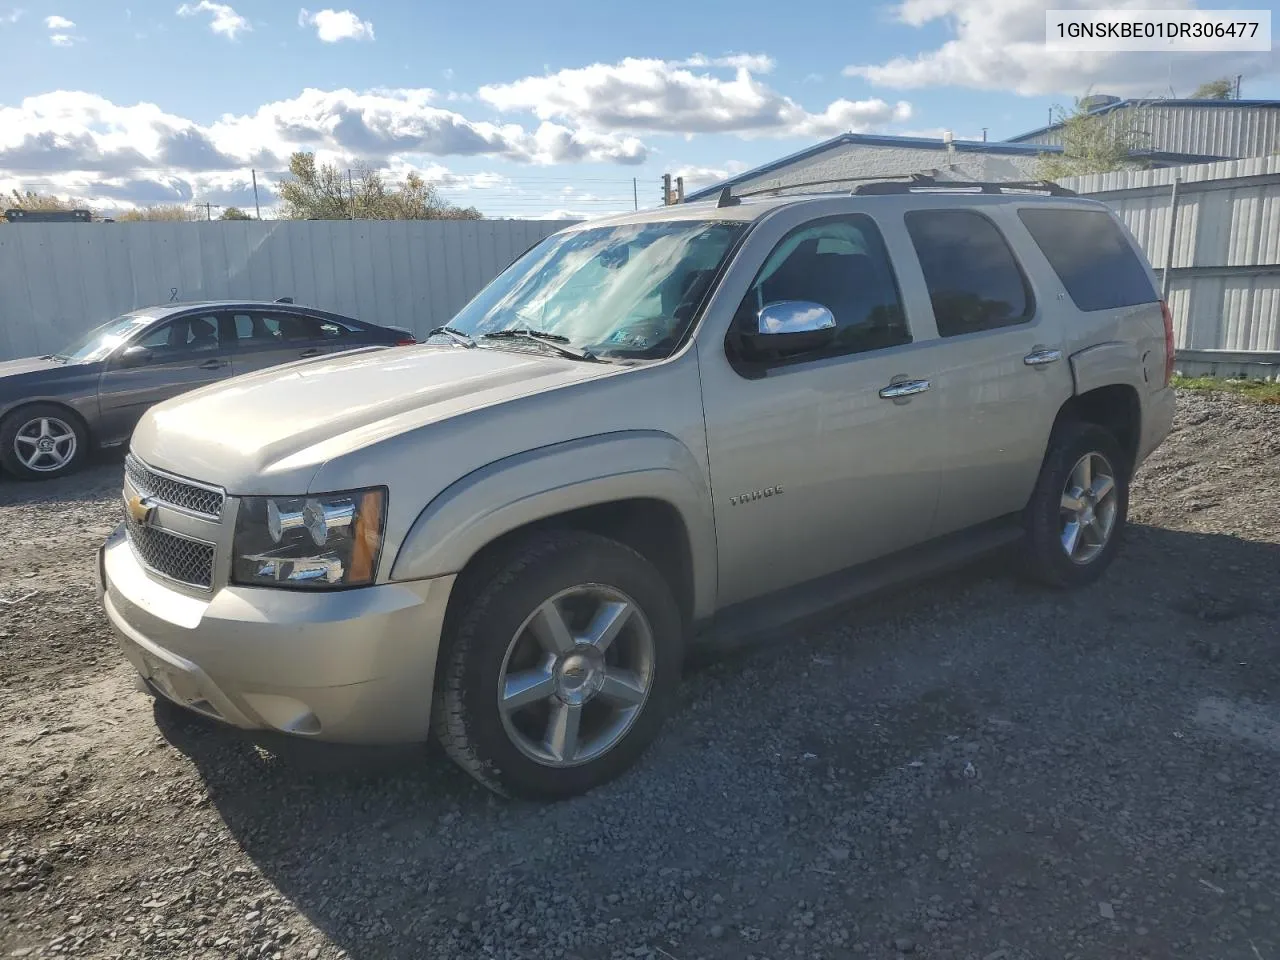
(1241, 31)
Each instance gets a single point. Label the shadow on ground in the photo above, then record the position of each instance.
(386, 851)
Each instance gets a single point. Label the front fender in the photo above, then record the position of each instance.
(519, 490)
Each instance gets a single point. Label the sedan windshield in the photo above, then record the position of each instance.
(98, 343)
(628, 291)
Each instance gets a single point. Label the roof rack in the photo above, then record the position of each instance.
(923, 182)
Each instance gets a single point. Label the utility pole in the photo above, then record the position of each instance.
(679, 189)
(351, 190)
(208, 211)
(635, 193)
(1238, 86)
(257, 209)
(666, 189)
(984, 134)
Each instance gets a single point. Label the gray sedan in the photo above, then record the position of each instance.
(54, 409)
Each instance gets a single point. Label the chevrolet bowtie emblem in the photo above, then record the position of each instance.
(141, 509)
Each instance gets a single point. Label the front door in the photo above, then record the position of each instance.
(812, 469)
(182, 354)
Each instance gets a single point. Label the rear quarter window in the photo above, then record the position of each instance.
(1092, 258)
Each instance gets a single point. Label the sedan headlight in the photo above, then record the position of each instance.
(322, 541)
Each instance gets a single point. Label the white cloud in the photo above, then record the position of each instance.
(140, 150)
(13, 16)
(56, 22)
(223, 19)
(753, 62)
(1000, 45)
(649, 95)
(696, 177)
(334, 25)
(63, 39)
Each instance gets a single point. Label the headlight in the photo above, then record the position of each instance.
(319, 542)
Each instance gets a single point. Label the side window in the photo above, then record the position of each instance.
(183, 334)
(333, 331)
(841, 263)
(254, 329)
(973, 280)
(1091, 257)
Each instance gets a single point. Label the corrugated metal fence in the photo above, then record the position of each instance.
(1224, 288)
(59, 279)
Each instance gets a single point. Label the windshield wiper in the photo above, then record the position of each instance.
(553, 340)
(458, 336)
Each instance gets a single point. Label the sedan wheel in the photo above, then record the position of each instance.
(45, 445)
(41, 441)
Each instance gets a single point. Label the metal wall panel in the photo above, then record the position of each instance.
(59, 279)
(1235, 131)
(1225, 283)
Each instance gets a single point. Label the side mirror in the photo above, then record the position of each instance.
(792, 325)
(134, 356)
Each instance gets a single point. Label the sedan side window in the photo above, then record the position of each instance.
(182, 335)
(840, 263)
(278, 329)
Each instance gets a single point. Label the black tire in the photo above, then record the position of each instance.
(492, 606)
(19, 419)
(1045, 558)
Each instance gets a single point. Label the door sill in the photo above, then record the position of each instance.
(802, 604)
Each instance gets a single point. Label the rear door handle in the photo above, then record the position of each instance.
(310, 352)
(1042, 358)
(213, 364)
(905, 388)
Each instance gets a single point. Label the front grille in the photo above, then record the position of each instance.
(178, 558)
(172, 491)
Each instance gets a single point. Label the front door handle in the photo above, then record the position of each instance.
(213, 364)
(310, 352)
(1042, 358)
(905, 388)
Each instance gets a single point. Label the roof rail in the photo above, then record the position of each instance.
(922, 182)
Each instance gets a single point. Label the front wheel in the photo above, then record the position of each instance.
(559, 667)
(41, 441)
(1078, 509)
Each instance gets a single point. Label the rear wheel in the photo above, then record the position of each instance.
(1077, 513)
(42, 441)
(559, 668)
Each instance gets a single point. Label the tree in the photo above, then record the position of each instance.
(159, 211)
(1091, 143)
(234, 213)
(1220, 89)
(38, 201)
(324, 192)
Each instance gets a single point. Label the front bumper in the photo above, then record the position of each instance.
(352, 666)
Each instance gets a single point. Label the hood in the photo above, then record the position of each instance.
(14, 368)
(269, 431)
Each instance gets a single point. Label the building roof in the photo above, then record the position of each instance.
(1005, 148)
(1149, 102)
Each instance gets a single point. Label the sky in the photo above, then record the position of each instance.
(546, 109)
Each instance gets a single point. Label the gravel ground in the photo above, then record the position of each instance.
(969, 769)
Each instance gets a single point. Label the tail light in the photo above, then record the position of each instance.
(1168, 342)
(406, 342)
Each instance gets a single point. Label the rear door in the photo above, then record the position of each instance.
(265, 338)
(1003, 368)
(183, 353)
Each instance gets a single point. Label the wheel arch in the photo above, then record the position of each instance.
(642, 488)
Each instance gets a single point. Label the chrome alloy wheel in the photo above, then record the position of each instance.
(45, 444)
(1089, 506)
(576, 675)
